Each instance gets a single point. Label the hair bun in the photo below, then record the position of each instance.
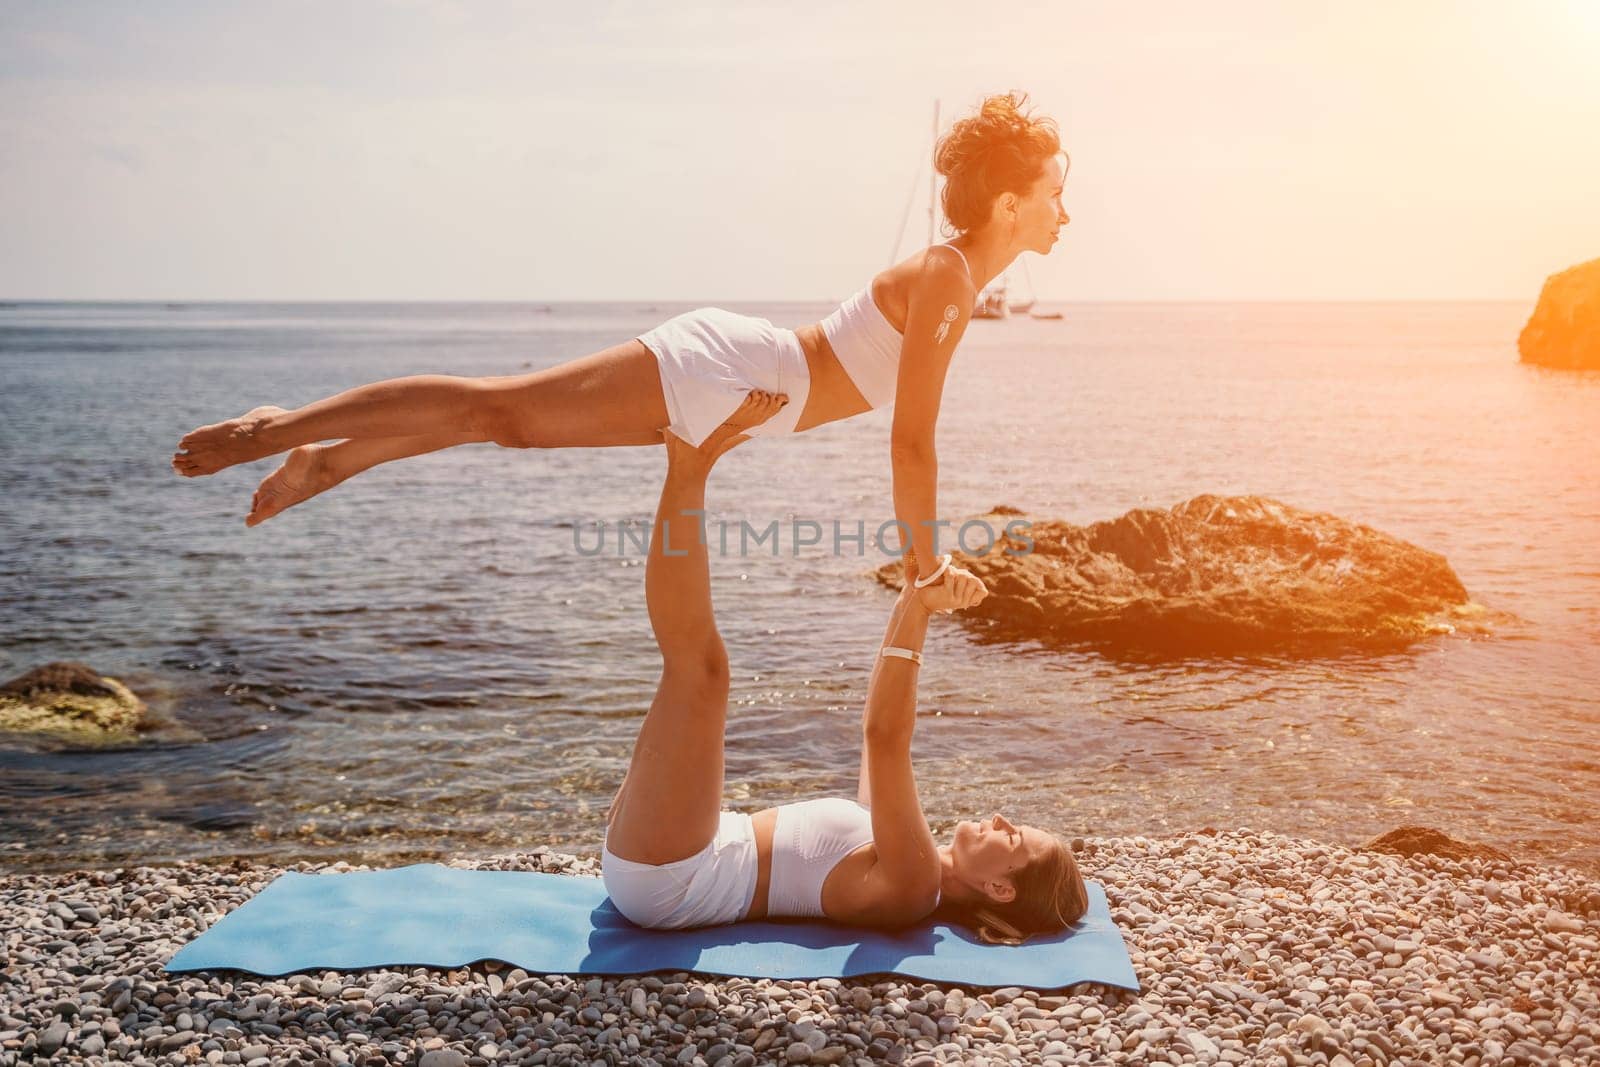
(998, 150)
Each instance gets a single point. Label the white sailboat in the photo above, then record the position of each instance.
(1029, 305)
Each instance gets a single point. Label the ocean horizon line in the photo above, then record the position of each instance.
(15, 302)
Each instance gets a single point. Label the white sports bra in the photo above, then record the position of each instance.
(808, 841)
(867, 344)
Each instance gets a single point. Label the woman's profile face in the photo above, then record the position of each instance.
(1040, 214)
(993, 850)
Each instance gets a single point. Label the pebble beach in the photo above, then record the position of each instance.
(1250, 948)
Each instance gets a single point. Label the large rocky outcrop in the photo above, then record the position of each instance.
(1213, 575)
(71, 701)
(1564, 330)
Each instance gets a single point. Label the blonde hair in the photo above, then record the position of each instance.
(1051, 896)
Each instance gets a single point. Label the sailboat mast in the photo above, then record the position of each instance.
(933, 176)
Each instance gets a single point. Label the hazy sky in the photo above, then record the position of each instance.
(747, 150)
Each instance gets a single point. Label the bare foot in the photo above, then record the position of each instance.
(756, 408)
(222, 444)
(302, 476)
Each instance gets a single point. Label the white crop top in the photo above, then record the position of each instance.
(808, 841)
(867, 344)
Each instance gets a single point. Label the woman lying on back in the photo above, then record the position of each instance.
(674, 858)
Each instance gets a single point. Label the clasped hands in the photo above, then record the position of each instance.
(956, 590)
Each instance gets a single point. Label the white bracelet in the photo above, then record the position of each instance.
(902, 653)
(923, 583)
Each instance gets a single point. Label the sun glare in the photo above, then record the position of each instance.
(1584, 14)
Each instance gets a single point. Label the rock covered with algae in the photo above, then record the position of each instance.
(72, 702)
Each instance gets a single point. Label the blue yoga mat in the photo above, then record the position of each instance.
(431, 915)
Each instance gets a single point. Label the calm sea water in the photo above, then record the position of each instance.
(420, 663)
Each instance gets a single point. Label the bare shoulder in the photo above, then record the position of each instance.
(941, 275)
(928, 276)
(946, 262)
(861, 892)
(933, 265)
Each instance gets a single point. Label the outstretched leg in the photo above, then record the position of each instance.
(671, 801)
(612, 397)
(312, 469)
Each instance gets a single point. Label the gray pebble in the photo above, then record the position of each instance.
(443, 1057)
(1262, 966)
(54, 1036)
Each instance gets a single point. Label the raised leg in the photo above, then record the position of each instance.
(312, 469)
(671, 801)
(612, 397)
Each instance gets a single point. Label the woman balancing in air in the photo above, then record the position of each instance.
(674, 858)
(890, 342)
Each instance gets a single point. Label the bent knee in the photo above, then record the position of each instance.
(711, 669)
(705, 670)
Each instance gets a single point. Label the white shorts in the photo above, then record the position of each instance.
(710, 888)
(710, 359)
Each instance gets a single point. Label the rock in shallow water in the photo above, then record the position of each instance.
(1564, 330)
(72, 701)
(1212, 575)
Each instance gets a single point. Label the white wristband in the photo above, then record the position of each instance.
(903, 653)
(944, 564)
